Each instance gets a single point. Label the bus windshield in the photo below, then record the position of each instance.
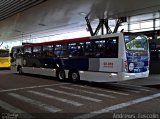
(135, 42)
(4, 53)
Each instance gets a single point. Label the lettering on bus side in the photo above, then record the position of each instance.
(108, 64)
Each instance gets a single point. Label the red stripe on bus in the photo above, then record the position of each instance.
(59, 41)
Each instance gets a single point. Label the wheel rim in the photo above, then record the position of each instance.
(74, 76)
(20, 70)
(61, 75)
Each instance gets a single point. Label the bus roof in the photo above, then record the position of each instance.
(69, 40)
(59, 41)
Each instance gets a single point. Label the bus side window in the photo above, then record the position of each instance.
(91, 49)
(72, 49)
(48, 51)
(28, 52)
(100, 48)
(57, 50)
(111, 50)
(76, 49)
(64, 51)
(80, 47)
(19, 52)
(36, 51)
(61, 50)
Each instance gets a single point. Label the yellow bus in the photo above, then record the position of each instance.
(4, 58)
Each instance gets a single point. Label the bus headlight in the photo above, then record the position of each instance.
(131, 66)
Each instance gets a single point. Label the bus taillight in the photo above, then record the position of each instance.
(125, 66)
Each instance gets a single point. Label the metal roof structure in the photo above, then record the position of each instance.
(30, 17)
(11, 7)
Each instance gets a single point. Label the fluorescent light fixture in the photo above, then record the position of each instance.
(82, 14)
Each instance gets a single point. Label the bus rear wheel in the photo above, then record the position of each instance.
(61, 74)
(74, 76)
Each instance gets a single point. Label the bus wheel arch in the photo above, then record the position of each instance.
(60, 74)
(74, 76)
(34, 65)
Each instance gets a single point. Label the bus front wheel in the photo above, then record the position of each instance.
(74, 76)
(19, 69)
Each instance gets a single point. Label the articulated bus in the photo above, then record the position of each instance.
(105, 58)
(4, 58)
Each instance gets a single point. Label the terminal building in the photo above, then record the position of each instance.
(38, 21)
(79, 59)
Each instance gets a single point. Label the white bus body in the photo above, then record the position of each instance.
(90, 66)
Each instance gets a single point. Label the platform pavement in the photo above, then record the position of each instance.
(153, 79)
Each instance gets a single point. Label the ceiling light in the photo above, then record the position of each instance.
(82, 14)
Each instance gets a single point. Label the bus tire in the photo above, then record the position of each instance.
(19, 69)
(74, 76)
(60, 74)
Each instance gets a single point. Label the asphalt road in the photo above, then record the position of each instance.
(28, 96)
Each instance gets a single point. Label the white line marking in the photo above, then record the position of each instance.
(56, 98)
(39, 104)
(129, 90)
(134, 86)
(31, 87)
(89, 92)
(15, 110)
(75, 95)
(116, 107)
(108, 91)
(144, 90)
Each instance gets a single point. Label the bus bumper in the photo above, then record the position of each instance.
(128, 76)
(5, 65)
